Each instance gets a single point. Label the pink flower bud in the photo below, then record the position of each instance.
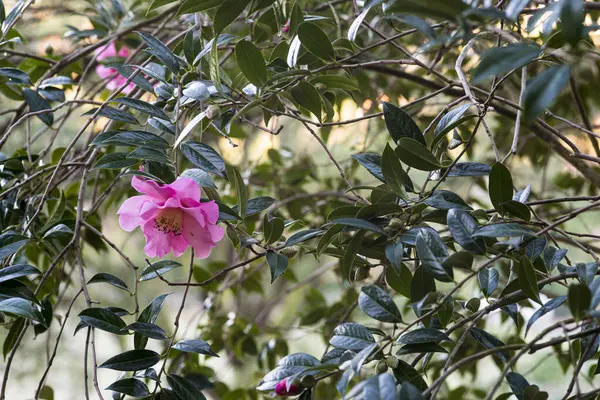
(282, 390)
(286, 27)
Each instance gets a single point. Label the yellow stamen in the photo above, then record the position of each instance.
(169, 221)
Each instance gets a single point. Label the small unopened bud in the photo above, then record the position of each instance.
(308, 381)
(49, 50)
(286, 27)
(281, 389)
(381, 367)
(362, 273)
(396, 223)
(391, 362)
(289, 252)
(213, 112)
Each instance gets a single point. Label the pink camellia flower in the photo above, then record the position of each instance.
(282, 390)
(171, 217)
(113, 79)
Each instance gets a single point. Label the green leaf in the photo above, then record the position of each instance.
(184, 389)
(195, 346)
(237, 182)
(142, 106)
(147, 154)
(308, 97)
(15, 75)
(130, 387)
(147, 329)
(378, 387)
(157, 268)
(196, 90)
(431, 252)
(103, 319)
(359, 224)
(257, 205)
(17, 271)
(316, 41)
(104, 277)
(423, 335)
(372, 162)
(130, 138)
(204, 157)
(497, 61)
(37, 103)
(393, 173)
(194, 6)
(572, 16)
(116, 160)
(450, 121)
(22, 308)
(400, 281)
(353, 30)
(327, 238)
(488, 280)
(462, 226)
(517, 384)
(416, 155)
(400, 124)
(394, 252)
(351, 336)
(13, 334)
(446, 9)
(227, 13)
(201, 177)
(10, 243)
(335, 82)
(379, 305)
(278, 263)
(544, 89)
(132, 360)
(528, 280)
(490, 342)
(404, 372)
(421, 348)
(302, 236)
(251, 62)
(114, 114)
(162, 52)
(517, 209)
(272, 229)
(501, 185)
(347, 263)
(410, 392)
(545, 309)
(502, 230)
(469, 169)
(579, 297)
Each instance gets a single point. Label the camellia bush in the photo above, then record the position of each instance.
(345, 199)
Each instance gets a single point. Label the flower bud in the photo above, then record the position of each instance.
(282, 390)
(213, 112)
(391, 362)
(308, 381)
(361, 273)
(381, 367)
(289, 252)
(396, 223)
(49, 50)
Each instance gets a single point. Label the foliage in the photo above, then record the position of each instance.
(450, 211)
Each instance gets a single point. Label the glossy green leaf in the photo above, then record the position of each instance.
(399, 124)
(308, 97)
(195, 346)
(462, 226)
(237, 182)
(104, 277)
(162, 52)
(316, 41)
(528, 279)
(142, 106)
(351, 336)
(497, 61)
(579, 298)
(393, 173)
(488, 280)
(278, 263)
(157, 268)
(204, 157)
(228, 12)
(251, 62)
(22, 308)
(132, 360)
(379, 305)
(148, 330)
(543, 90)
(416, 155)
(103, 319)
(17, 271)
(37, 103)
(130, 387)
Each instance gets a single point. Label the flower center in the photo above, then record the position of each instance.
(169, 221)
